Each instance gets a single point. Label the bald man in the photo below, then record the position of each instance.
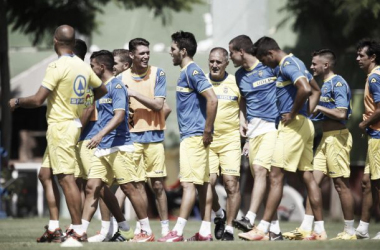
(64, 86)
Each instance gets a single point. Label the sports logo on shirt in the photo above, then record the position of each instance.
(195, 72)
(80, 84)
(339, 84)
(118, 86)
(162, 73)
(373, 80)
(260, 73)
(225, 90)
(286, 63)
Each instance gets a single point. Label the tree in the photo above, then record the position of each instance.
(41, 17)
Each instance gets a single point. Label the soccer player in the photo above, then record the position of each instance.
(196, 111)
(293, 151)
(113, 156)
(368, 58)
(64, 85)
(122, 61)
(225, 149)
(332, 157)
(147, 91)
(257, 84)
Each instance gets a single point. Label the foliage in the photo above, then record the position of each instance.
(39, 17)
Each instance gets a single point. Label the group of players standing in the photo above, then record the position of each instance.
(269, 100)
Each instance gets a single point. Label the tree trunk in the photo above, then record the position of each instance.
(6, 118)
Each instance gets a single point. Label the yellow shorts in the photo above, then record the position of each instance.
(118, 164)
(45, 160)
(294, 145)
(62, 138)
(333, 154)
(86, 158)
(372, 164)
(193, 161)
(261, 150)
(150, 160)
(226, 153)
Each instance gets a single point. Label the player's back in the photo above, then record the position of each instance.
(68, 79)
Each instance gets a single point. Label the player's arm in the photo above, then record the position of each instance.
(99, 92)
(87, 112)
(33, 101)
(314, 97)
(167, 110)
(155, 104)
(335, 114)
(119, 116)
(303, 92)
(211, 108)
(374, 89)
(242, 117)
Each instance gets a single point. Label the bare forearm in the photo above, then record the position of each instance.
(335, 114)
(374, 118)
(112, 124)
(212, 106)
(155, 104)
(30, 102)
(299, 101)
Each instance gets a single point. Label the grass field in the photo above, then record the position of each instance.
(22, 234)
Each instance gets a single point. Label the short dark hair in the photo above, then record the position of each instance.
(136, 42)
(185, 40)
(223, 50)
(264, 44)
(104, 57)
(373, 48)
(243, 42)
(326, 53)
(80, 48)
(123, 54)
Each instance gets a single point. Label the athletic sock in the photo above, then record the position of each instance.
(79, 229)
(349, 227)
(85, 225)
(319, 226)
(205, 229)
(229, 229)
(180, 225)
(138, 227)
(363, 227)
(307, 223)
(105, 227)
(113, 227)
(264, 226)
(124, 226)
(275, 227)
(145, 226)
(251, 216)
(53, 225)
(164, 227)
(219, 213)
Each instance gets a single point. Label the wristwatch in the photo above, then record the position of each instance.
(17, 102)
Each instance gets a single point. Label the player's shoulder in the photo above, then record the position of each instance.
(160, 71)
(193, 69)
(116, 83)
(338, 81)
(374, 77)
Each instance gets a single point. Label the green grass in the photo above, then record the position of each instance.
(22, 234)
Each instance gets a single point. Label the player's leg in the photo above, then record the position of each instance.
(231, 184)
(367, 202)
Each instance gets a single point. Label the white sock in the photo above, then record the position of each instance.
(124, 226)
(275, 227)
(251, 216)
(138, 228)
(114, 226)
(219, 213)
(319, 226)
(349, 227)
(229, 229)
(78, 229)
(105, 227)
(363, 227)
(145, 226)
(85, 225)
(205, 229)
(71, 226)
(164, 227)
(180, 225)
(264, 226)
(53, 225)
(307, 223)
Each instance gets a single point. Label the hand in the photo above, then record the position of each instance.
(207, 138)
(131, 92)
(286, 118)
(245, 150)
(362, 125)
(12, 104)
(243, 129)
(316, 111)
(94, 142)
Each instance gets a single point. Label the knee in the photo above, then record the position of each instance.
(231, 186)
(276, 178)
(260, 172)
(128, 189)
(366, 185)
(157, 187)
(44, 176)
(91, 188)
